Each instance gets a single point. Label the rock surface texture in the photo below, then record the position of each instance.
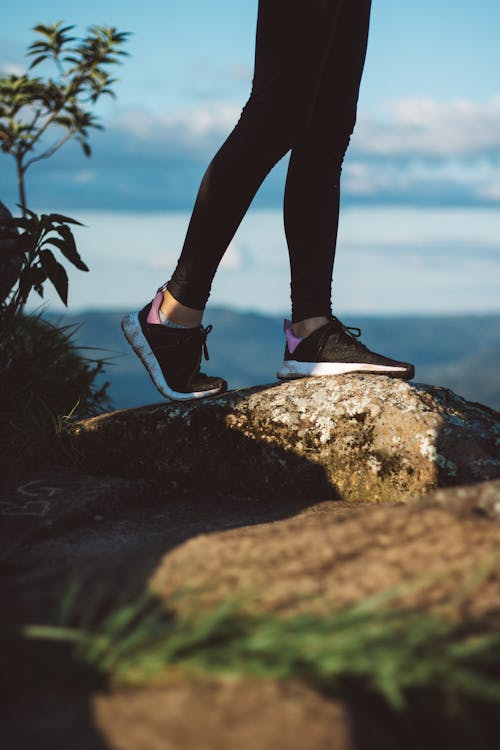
(356, 437)
(249, 497)
(443, 551)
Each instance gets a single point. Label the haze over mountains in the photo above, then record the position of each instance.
(461, 352)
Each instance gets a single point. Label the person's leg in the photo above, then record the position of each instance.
(311, 203)
(293, 39)
(292, 42)
(317, 343)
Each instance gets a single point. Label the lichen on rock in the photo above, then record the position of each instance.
(357, 437)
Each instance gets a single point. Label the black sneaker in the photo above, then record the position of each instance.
(334, 349)
(172, 356)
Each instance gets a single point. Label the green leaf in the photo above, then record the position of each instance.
(36, 46)
(27, 242)
(42, 29)
(37, 60)
(13, 222)
(68, 252)
(7, 255)
(64, 219)
(33, 216)
(65, 122)
(56, 273)
(31, 278)
(66, 28)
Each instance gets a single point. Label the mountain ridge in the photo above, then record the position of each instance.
(461, 352)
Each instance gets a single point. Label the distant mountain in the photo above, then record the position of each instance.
(461, 352)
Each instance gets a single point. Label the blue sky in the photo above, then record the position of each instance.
(427, 144)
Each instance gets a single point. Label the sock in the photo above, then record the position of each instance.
(169, 323)
(292, 340)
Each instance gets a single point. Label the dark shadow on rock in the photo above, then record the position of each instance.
(357, 436)
(40, 707)
(422, 725)
(194, 448)
(66, 517)
(111, 534)
(464, 461)
(55, 721)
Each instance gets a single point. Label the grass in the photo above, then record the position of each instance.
(45, 382)
(397, 655)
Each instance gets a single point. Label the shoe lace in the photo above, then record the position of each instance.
(337, 327)
(352, 331)
(205, 330)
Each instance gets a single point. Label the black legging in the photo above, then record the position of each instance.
(309, 57)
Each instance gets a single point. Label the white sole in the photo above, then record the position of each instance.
(294, 369)
(132, 330)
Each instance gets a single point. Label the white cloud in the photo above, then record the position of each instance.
(360, 178)
(410, 227)
(429, 128)
(389, 259)
(212, 117)
(12, 69)
(491, 190)
(84, 176)
(166, 260)
(242, 73)
(233, 257)
(426, 153)
(413, 129)
(429, 150)
(479, 179)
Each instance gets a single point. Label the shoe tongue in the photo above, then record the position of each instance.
(291, 340)
(154, 311)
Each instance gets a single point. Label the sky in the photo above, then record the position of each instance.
(419, 229)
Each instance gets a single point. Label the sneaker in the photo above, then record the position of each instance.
(172, 356)
(334, 349)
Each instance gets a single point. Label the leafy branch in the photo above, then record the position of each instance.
(36, 238)
(31, 106)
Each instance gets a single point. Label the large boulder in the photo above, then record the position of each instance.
(356, 437)
(438, 554)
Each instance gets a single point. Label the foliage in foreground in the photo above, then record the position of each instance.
(27, 258)
(38, 116)
(32, 108)
(368, 649)
(45, 381)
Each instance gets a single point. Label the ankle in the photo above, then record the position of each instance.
(303, 328)
(179, 313)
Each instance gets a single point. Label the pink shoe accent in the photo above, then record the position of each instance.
(154, 312)
(291, 340)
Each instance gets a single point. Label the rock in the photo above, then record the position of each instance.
(481, 499)
(224, 713)
(60, 499)
(443, 555)
(247, 714)
(357, 437)
(441, 550)
(60, 526)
